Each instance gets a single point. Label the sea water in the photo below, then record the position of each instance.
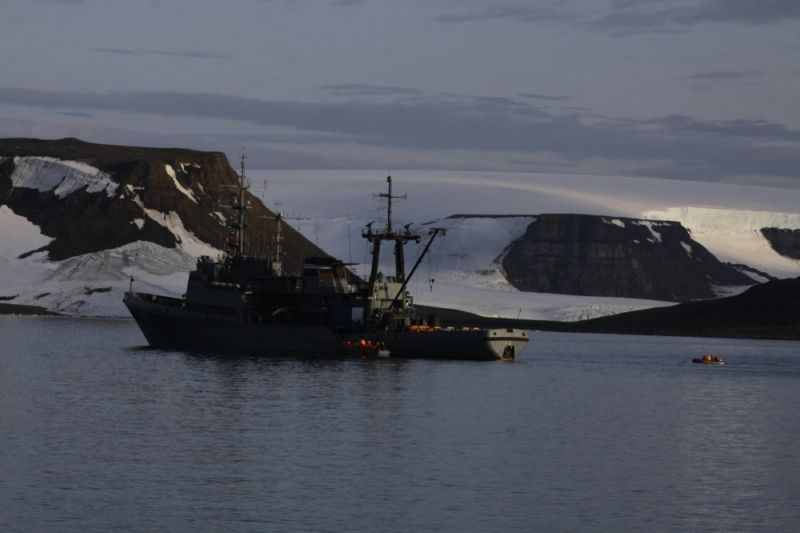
(580, 433)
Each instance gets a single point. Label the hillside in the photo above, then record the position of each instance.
(770, 310)
(79, 220)
(93, 197)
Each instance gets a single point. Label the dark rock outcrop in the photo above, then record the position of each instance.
(147, 179)
(770, 310)
(612, 256)
(767, 311)
(784, 241)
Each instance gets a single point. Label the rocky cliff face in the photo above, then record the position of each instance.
(620, 257)
(784, 241)
(91, 197)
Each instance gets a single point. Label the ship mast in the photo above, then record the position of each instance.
(400, 238)
(277, 264)
(240, 206)
(377, 236)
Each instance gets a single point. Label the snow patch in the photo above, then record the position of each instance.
(219, 216)
(649, 225)
(687, 247)
(614, 221)
(139, 222)
(170, 171)
(18, 235)
(186, 239)
(186, 191)
(61, 176)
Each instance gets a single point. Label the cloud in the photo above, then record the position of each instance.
(336, 3)
(631, 17)
(491, 129)
(77, 114)
(516, 11)
(551, 98)
(724, 75)
(360, 89)
(168, 53)
(626, 17)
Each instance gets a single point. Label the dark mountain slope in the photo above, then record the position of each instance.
(151, 183)
(771, 310)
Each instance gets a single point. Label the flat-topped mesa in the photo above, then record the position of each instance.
(614, 256)
(92, 197)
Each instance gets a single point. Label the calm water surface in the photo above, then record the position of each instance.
(582, 433)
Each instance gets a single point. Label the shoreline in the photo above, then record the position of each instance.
(456, 318)
(25, 310)
(621, 326)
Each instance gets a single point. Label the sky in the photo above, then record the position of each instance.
(704, 90)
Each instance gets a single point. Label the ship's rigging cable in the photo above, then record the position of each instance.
(433, 261)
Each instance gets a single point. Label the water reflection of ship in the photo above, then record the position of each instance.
(246, 304)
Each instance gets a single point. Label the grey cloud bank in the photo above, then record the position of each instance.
(624, 17)
(169, 53)
(673, 146)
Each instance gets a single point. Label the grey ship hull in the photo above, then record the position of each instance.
(166, 323)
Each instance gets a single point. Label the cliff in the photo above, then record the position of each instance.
(93, 197)
(784, 241)
(620, 257)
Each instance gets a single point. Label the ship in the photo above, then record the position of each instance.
(244, 304)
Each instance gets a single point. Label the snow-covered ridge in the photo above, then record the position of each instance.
(734, 235)
(91, 284)
(61, 176)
